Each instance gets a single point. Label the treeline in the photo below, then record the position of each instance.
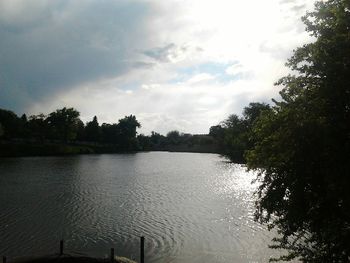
(234, 135)
(177, 141)
(65, 126)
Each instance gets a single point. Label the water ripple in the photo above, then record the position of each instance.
(190, 207)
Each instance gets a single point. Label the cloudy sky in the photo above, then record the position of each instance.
(175, 64)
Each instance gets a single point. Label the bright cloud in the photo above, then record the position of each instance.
(174, 64)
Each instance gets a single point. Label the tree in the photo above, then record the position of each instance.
(122, 134)
(144, 142)
(80, 130)
(127, 132)
(157, 140)
(24, 118)
(216, 131)
(1, 130)
(92, 130)
(235, 138)
(173, 137)
(233, 135)
(252, 112)
(64, 123)
(37, 127)
(302, 145)
(23, 131)
(10, 122)
(128, 126)
(109, 133)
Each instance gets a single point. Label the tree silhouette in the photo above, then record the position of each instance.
(92, 130)
(1, 130)
(38, 128)
(126, 129)
(10, 123)
(302, 145)
(64, 123)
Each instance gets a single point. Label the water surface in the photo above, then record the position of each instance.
(190, 207)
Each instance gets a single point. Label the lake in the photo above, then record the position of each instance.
(190, 207)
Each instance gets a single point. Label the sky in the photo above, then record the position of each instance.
(177, 64)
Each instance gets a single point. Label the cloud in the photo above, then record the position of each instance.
(168, 53)
(298, 8)
(54, 45)
(287, 1)
(171, 53)
(174, 64)
(202, 77)
(191, 106)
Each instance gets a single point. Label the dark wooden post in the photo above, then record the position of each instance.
(61, 247)
(3, 259)
(112, 254)
(142, 256)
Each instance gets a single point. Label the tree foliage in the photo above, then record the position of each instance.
(1, 130)
(127, 132)
(302, 146)
(92, 130)
(38, 128)
(64, 123)
(65, 126)
(10, 123)
(173, 137)
(233, 134)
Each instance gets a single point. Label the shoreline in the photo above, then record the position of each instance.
(69, 259)
(10, 149)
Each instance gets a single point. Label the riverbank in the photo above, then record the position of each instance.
(27, 148)
(70, 259)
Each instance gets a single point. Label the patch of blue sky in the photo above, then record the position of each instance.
(210, 68)
(130, 85)
(218, 70)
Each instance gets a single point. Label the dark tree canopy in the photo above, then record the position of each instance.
(252, 112)
(126, 129)
(302, 146)
(64, 123)
(38, 128)
(92, 130)
(1, 130)
(64, 126)
(173, 137)
(10, 123)
(233, 135)
(128, 126)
